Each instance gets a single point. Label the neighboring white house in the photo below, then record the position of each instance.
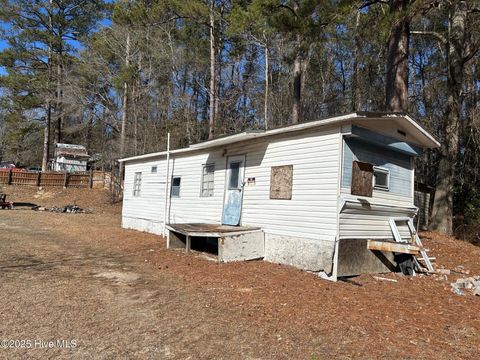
(70, 158)
(294, 183)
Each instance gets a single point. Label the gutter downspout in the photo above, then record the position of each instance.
(166, 187)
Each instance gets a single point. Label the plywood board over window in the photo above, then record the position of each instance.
(362, 179)
(281, 182)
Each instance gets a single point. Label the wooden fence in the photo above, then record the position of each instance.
(91, 179)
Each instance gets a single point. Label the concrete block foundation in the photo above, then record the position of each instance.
(302, 253)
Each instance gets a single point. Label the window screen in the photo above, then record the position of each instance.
(137, 183)
(208, 174)
(176, 186)
(234, 175)
(381, 178)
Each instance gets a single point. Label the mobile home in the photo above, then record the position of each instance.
(308, 195)
(70, 158)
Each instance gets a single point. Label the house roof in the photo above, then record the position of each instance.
(71, 151)
(387, 123)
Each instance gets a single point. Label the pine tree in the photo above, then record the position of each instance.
(42, 36)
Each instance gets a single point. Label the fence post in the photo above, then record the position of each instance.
(39, 174)
(90, 180)
(65, 180)
(10, 173)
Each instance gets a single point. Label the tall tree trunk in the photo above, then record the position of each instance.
(91, 116)
(442, 212)
(135, 119)
(397, 58)
(213, 90)
(297, 85)
(59, 100)
(356, 76)
(46, 135)
(125, 109)
(48, 107)
(265, 100)
(297, 75)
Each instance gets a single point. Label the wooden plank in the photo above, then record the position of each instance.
(210, 230)
(392, 246)
(281, 179)
(362, 179)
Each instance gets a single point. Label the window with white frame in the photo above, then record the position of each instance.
(381, 178)
(137, 183)
(208, 174)
(176, 180)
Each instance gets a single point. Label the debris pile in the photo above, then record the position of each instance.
(471, 284)
(75, 209)
(70, 209)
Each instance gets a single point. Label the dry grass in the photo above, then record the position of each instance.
(121, 294)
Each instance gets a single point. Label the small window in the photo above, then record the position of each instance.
(176, 186)
(234, 175)
(208, 173)
(154, 169)
(137, 183)
(381, 178)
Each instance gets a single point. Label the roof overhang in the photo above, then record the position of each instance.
(386, 123)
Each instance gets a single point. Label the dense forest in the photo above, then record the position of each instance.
(116, 76)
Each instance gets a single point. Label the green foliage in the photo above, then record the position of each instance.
(168, 74)
(40, 35)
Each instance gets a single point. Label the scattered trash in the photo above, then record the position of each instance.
(461, 270)
(470, 283)
(456, 290)
(384, 279)
(442, 271)
(70, 209)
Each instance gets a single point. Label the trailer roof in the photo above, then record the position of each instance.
(378, 120)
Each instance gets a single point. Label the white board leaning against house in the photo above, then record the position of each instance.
(318, 190)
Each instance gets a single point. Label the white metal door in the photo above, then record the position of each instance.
(232, 205)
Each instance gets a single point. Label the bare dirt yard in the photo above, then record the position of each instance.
(115, 293)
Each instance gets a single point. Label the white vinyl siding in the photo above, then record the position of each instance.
(148, 208)
(357, 222)
(311, 213)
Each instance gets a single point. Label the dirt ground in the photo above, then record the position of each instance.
(120, 294)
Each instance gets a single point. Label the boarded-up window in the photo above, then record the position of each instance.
(281, 182)
(362, 179)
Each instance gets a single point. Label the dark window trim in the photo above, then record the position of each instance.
(385, 171)
(179, 186)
